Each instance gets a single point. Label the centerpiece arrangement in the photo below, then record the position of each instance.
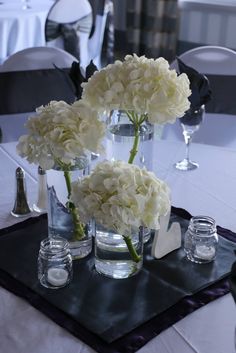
(123, 199)
(60, 139)
(134, 94)
(146, 90)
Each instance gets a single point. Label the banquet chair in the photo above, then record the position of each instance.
(68, 26)
(78, 28)
(38, 58)
(219, 125)
(31, 78)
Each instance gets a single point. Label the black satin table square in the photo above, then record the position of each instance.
(115, 316)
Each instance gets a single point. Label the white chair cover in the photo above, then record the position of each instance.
(210, 60)
(216, 129)
(38, 58)
(78, 15)
(67, 11)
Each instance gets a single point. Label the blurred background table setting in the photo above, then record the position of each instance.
(22, 25)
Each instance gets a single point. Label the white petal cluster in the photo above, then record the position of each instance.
(61, 132)
(142, 85)
(121, 197)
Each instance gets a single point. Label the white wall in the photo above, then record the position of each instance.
(211, 22)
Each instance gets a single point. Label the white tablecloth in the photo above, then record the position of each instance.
(209, 190)
(21, 28)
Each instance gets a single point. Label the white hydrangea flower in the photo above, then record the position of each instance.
(141, 85)
(121, 196)
(61, 132)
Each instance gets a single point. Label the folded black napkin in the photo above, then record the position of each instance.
(199, 85)
(201, 93)
(78, 78)
(232, 281)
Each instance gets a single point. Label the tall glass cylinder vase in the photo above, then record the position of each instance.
(120, 139)
(63, 220)
(112, 256)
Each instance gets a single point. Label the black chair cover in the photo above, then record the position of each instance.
(24, 91)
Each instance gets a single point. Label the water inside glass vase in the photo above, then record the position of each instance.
(120, 139)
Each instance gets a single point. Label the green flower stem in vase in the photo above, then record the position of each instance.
(137, 120)
(133, 253)
(63, 216)
(78, 226)
(129, 138)
(129, 131)
(118, 256)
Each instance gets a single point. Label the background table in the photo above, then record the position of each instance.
(19, 28)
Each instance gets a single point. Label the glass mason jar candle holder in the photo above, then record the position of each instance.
(54, 263)
(201, 240)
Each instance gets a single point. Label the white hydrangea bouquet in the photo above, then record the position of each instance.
(58, 136)
(121, 197)
(146, 89)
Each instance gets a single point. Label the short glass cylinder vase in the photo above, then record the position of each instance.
(121, 136)
(201, 240)
(63, 219)
(112, 256)
(54, 263)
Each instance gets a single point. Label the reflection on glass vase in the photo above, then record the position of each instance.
(63, 219)
(120, 139)
(115, 257)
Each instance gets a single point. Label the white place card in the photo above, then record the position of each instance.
(165, 241)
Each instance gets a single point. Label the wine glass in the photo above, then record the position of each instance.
(190, 123)
(26, 4)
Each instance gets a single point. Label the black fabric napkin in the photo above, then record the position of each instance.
(233, 281)
(115, 316)
(199, 85)
(78, 78)
(201, 94)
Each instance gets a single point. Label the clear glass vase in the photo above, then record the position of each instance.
(120, 139)
(62, 219)
(112, 256)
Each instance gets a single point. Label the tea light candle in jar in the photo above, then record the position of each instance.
(54, 263)
(201, 239)
(57, 276)
(205, 252)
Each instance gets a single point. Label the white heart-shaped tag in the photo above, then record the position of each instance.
(166, 241)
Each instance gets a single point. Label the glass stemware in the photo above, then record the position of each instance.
(26, 4)
(190, 123)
